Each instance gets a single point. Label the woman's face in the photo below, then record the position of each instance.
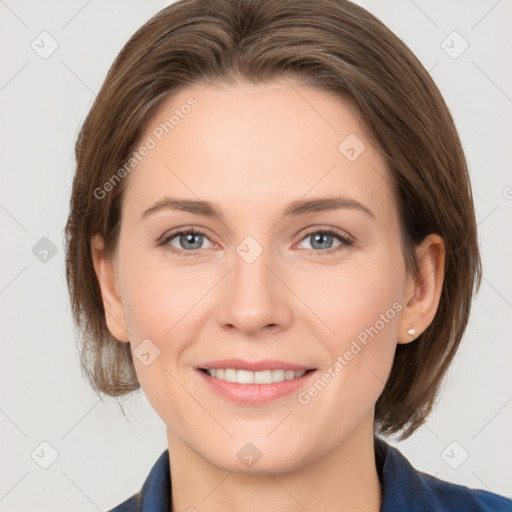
(282, 275)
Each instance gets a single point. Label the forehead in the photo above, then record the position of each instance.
(246, 146)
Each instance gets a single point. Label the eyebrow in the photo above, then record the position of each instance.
(294, 209)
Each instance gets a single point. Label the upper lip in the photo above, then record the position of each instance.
(253, 366)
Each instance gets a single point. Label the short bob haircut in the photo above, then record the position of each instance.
(332, 45)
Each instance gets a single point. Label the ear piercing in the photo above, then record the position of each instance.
(411, 331)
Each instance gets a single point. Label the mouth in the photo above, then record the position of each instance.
(253, 383)
(260, 377)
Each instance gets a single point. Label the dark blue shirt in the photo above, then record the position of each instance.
(403, 489)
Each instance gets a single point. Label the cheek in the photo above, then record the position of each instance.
(361, 307)
(353, 299)
(157, 296)
(160, 305)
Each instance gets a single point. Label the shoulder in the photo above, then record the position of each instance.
(448, 496)
(132, 504)
(405, 488)
(155, 493)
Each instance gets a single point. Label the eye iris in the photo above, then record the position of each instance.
(196, 239)
(320, 237)
(189, 238)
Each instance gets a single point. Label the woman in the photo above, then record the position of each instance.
(272, 233)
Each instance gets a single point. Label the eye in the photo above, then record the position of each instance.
(185, 241)
(321, 241)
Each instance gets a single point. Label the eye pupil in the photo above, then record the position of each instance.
(190, 241)
(189, 238)
(320, 237)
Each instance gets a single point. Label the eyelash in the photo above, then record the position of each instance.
(345, 241)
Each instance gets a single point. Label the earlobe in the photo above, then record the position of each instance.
(423, 291)
(107, 279)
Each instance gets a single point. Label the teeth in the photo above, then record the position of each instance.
(248, 377)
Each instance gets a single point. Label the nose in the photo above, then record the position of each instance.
(255, 298)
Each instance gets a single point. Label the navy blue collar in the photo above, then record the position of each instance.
(403, 489)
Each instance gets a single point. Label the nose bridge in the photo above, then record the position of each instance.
(255, 298)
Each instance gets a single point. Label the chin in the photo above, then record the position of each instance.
(258, 458)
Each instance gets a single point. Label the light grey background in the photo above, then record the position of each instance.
(102, 459)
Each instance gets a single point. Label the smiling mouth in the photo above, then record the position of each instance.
(250, 377)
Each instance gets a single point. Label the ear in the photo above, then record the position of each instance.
(106, 273)
(423, 292)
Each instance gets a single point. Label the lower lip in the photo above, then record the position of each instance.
(254, 394)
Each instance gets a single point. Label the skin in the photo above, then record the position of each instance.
(251, 150)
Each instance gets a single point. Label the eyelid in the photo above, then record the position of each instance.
(164, 239)
(345, 238)
(344, 235)
(181, 230)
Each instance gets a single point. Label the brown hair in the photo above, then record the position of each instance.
(333, 45)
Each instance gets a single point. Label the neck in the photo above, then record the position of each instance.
(343, 480)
